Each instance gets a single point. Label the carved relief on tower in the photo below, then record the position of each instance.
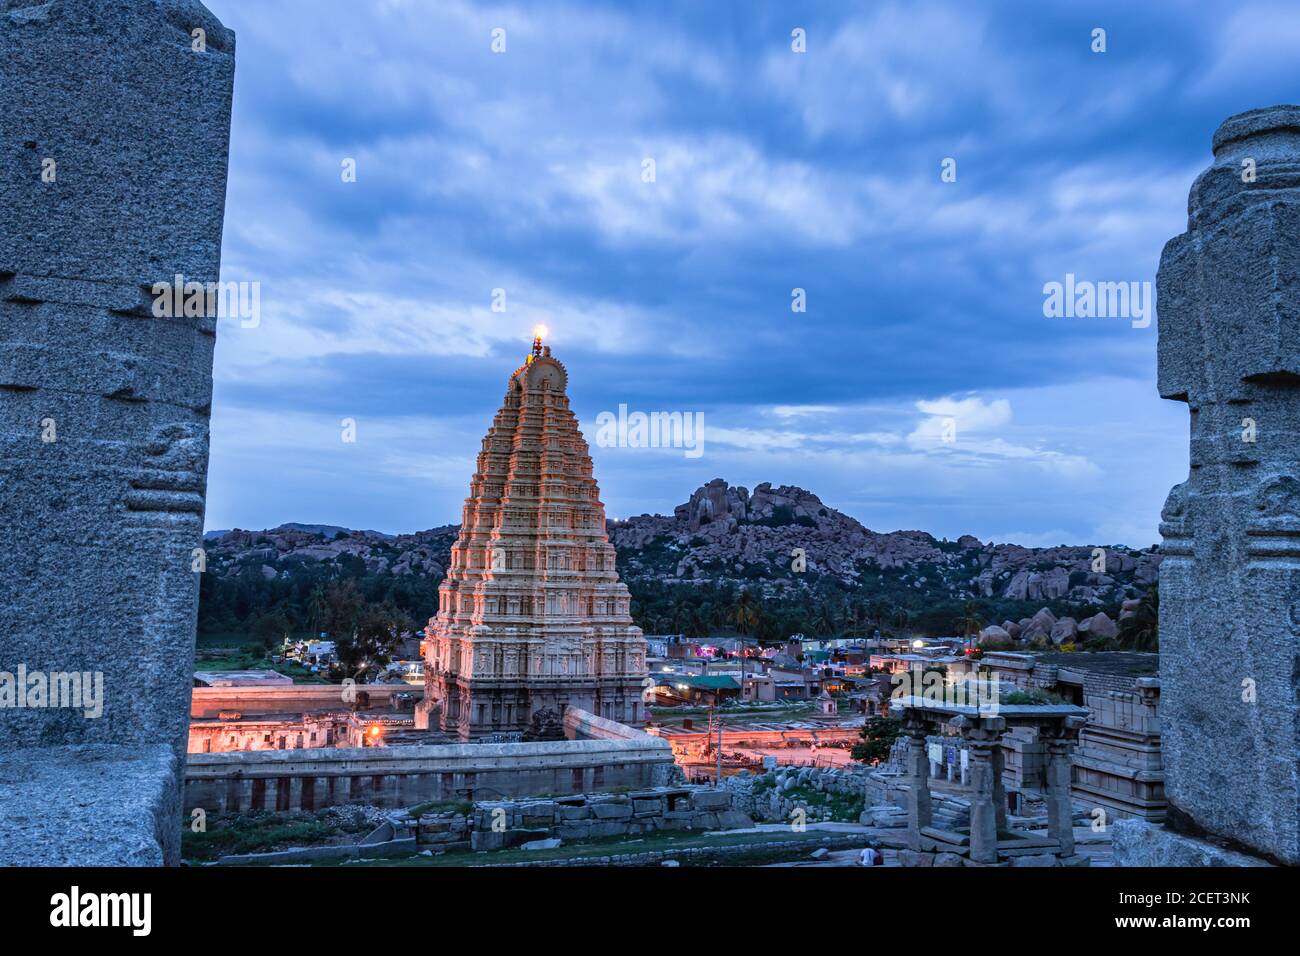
(1273, 522)
(1175, 522)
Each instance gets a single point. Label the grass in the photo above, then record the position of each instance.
(261, 831)
(615, 846)
(673, 715)
(222, 657)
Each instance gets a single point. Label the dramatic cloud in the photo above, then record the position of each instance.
(497, 190)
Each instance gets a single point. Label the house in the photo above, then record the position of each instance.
(702, 690)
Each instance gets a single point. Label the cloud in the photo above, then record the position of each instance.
(774, 170)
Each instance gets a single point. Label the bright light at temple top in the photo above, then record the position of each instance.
(540, 331)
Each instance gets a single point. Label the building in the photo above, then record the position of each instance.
(704, 690)
(532, 615)
(1117, 764)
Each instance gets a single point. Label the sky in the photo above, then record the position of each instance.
(653, 181)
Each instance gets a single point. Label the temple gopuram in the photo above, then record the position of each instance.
(532, 616)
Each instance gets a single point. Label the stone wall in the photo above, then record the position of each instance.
(494, 825)
(409, 775)
(114, 132)
(294, 699)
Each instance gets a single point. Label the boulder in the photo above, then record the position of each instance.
(1044, 619)
(1064, 631)
(992, 633)
(1099, 625)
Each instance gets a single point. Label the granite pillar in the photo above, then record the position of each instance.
(114, 129)
(1229, 347)
(918, 783)
(983, 741)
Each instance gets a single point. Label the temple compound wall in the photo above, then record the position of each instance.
(211, 702)
(114, 132)
(1229, 348)
(600, 755)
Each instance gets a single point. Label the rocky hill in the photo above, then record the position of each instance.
(275, 551)
(782, 545)
(724, 531)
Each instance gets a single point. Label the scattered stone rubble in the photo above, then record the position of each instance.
(498, 824)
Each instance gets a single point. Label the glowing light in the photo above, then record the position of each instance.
(540, 331)
(918, 643)
(374, 731)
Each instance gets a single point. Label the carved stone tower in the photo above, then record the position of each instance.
(531, 615)
(1229, 318)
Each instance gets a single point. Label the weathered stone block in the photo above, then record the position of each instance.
(1140, 843)
(711, 800)
(1229, 346)
(100, 524)
(612, 811)
(576, 830)
(733, 820)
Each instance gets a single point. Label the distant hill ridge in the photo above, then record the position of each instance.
(726, 533)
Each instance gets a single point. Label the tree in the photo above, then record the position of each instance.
(970, 621)
(1141, 631)
(335, 610)
(877, 739)
(271, 628)
(378, 630)
(747, 611)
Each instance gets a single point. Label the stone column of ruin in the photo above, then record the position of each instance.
(983, 738)
(114, 130)
(1056, 791)
(1229, 347)
(919, 812)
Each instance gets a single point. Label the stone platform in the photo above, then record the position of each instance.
(1139, 843)
(89, 805)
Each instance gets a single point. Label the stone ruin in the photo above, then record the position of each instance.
(114, 132)
(988, 838)
(1229, 346)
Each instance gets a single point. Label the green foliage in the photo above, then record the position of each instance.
(1032, 696)
(878, 735)
(261, 831)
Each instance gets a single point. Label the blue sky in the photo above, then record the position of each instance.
(774, 170)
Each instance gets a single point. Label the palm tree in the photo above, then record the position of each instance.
(823, 621)
(746, 614)
(970, 621)
(901, 617)
(1141, 631)
(877, 611)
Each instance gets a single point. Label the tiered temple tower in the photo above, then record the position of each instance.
(531, 615)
